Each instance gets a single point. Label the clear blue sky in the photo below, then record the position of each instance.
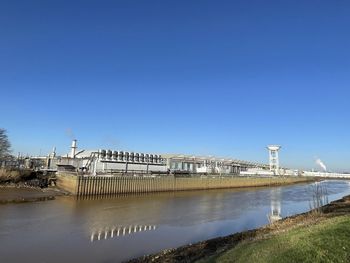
(200, 77)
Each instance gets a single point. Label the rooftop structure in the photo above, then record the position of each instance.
(273, 158)
(116, 161)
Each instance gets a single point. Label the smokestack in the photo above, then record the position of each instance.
(53, 154)
(73, 148)
(322, 165)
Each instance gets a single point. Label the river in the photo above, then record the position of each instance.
(121, 228)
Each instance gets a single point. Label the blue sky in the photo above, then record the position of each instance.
(200, 77)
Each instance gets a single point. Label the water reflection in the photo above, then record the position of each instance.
(115, 231)
(132, 226)
(276, 197)
(172, 209)
(113, 196)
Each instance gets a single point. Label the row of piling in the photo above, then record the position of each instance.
(103, 185)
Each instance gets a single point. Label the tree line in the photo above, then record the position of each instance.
(5, 145)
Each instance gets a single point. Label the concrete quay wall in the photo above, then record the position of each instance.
(67, 182)
(106, 185)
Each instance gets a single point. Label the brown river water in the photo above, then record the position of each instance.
(120, 228)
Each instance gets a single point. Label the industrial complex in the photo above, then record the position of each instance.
(87, 173)
(124, 163)
(103, 161)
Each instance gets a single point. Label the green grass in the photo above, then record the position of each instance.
(327, 241)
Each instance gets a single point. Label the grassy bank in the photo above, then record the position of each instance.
(326, 241)
(316, 236)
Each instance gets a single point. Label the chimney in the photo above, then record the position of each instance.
(73, 148)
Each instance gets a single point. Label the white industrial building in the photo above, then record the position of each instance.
(207, 164)
(107, 162)
(113, 162)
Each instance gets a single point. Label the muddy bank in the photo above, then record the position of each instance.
(26, 185)
(208, 248)
(20, 193)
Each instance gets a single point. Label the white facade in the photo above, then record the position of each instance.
(179, 163)
(323, 174)
(112, 161)
(273, 158)
(108, 161)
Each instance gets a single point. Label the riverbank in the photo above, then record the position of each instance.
(15, 193)
(114, 185)
(309, 237)
(23, 190)
(26, 185)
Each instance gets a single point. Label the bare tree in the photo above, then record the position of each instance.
(5, 146)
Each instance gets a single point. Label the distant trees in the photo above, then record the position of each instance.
(5, 145)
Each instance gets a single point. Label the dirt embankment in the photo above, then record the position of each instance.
(201, 250)
(23, 177)
(19, 194)
(18, 185)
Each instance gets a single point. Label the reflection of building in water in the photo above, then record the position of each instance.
(119, 231)
(275, 214)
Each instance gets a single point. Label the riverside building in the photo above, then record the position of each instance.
(105, 161)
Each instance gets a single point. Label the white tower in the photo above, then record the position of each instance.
(73, 149)
(274, 162)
